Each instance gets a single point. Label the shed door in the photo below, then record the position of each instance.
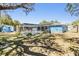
(56, 29)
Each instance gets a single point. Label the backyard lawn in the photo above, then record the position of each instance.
(62, 44)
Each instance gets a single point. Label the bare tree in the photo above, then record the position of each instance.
(26, 7)
(73, 8)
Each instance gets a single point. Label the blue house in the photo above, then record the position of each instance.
(6, 28)
(35, 28)
(58, 28)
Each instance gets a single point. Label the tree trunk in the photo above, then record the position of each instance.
(17, 28)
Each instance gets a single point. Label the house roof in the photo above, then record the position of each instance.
(29, 25)
(39, 25)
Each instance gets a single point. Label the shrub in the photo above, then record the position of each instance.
(75, 50)
(17, 34)
(29, 34)
(45, 32)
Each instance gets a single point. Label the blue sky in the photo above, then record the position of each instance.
(44, 11)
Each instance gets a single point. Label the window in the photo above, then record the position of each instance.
(38, 28)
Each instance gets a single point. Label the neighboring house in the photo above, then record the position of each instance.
(73, 28)
(6, 28)
(70, 27)
(37, 28)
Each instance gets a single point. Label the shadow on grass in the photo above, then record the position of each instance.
(23, 49)
(19, 44)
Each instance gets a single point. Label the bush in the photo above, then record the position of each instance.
(29, 34)
(75, 50)
(45, 32)
(17, 34)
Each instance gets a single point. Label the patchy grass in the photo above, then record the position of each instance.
(41, 44)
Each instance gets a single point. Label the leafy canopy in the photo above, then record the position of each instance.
(76, 22)
(45, 22)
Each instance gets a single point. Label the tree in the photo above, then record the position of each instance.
(73, 9)
(76, 23)
(16, 25)
(6, 20)
(26, 7)
(44, 22)
(54, 22)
